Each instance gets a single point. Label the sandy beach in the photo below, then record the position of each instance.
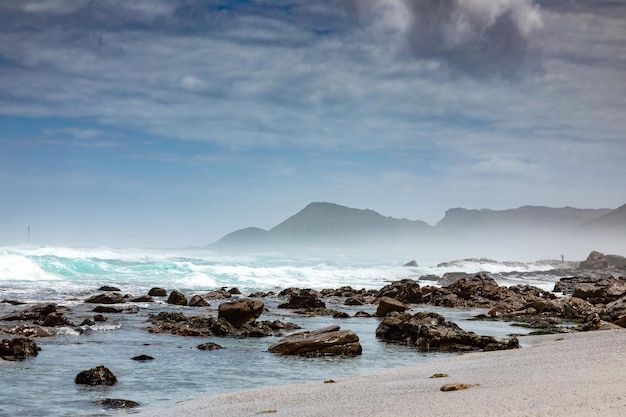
(574, 374)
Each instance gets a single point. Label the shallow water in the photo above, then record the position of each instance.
(44, 385)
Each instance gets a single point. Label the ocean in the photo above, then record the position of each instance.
(44, 385)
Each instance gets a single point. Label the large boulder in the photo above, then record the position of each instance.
(177, 298)
(240, 312)
(198, 301)
(157, 292)
(328, 341)
(431, 332)
(406, 291)
(387, 304)
(18, 348)
(99, 375)
(595, 260)
(106, 298)
(303, 299)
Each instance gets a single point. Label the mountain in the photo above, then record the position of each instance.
(612, 221)
(325, 224)
(526, 217)
(528, 232)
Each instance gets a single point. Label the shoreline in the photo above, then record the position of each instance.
(566, 374)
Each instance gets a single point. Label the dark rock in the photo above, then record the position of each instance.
(616, 309)
(362, 314)
(406, 291)
(357, 300)
(87, 322)
(341, 315)
(117, 403)
(431, 332)
(106, 298)
(234, 291)
(595, 322)
(12, 302)
(595, 260)
(56, 319)
(329, 341)
(261, 294)
(303, 299)
(37, 312)
(107, 309)
(387, 304)
(209, 346)
(177, 298)
(217, 295)
(99, 375)
(198, 301)
(429, 277)
(131, 309)
(143, 358)
(99, 318)
(240, 312)
(18, 348)
(157, 292)
(142, 299)
(109, 288)
(411, 263)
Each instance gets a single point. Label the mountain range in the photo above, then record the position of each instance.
(332, 226)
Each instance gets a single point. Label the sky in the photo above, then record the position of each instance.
(168, 123)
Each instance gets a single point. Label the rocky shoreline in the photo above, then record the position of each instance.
(592, 298)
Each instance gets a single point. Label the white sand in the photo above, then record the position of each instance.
(578, 374)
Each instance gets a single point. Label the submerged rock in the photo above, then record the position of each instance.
(106, 298)
(117, 403)
(328, 341)
(18, 348)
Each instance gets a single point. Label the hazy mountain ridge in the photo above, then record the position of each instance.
(328, 225)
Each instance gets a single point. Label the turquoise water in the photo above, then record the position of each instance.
(44, 386)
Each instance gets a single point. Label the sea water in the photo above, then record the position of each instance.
(44, 385)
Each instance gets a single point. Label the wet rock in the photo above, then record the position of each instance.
(109, 288)
(56, 319)
(177, 298)
(99, 318)
(157, 292)
(387, 304)
(209, 346)
(37, 312)
(364, 314)
(595, 322)
(341, 315)
(198, 301)
(240, 312)
(411, 263)
(217, 295)
(29, 330)
(406, 291)
(303, 299)
(116, 403)
(142, 358)
(329, 341)
(107, 309)
(18, 348)
(431, 332)
(106, 298)
(357, 300)
(99, 375)
(234, 291)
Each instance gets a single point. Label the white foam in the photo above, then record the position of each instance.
(20, 268)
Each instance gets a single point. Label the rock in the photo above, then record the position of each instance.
(198, 301)
(594, 322)
(177, 298)
(217, 295)
(240, 312)
(157, 292)
(37, 312)
(142, 358)
(234, 291)
(412, 263)
(357, 300)
(456, 387)
(18, 348)
(109, 288)
(406, 291)
(99, 318)
(99, 375)
(616, 309)
(209, 346)
(431, 332)
(107, 309)
(117, 403)
(595, 260)
(56, 319)
(106, 298)
(303, 299)
(328, 341)
(341, 315)
(362, 314)
(387, 304)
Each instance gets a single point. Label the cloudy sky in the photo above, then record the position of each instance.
(174, 122)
